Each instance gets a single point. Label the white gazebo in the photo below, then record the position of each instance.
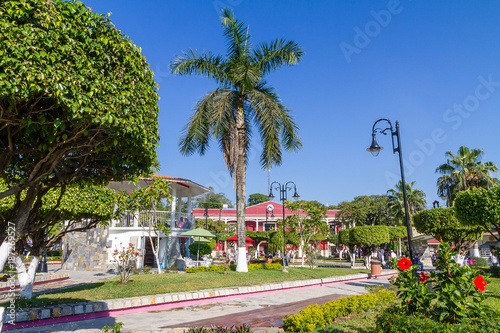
(129, 228)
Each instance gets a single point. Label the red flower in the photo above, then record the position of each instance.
(480, 283)
(151, 189)
(404, 264)
(423, 277)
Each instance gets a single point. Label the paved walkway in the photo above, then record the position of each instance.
(263, 309)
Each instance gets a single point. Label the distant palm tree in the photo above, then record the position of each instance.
(464, 171)
(416, 200)
(242, 100)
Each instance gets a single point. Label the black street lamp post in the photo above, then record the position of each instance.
(269, 208)
(375, 149)
(283, 189)
(206, 215)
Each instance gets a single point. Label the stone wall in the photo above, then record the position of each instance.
(86, 251)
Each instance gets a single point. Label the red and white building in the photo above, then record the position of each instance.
(256, 220)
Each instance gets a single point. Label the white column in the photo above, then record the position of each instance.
(189, 210)
(173, 208)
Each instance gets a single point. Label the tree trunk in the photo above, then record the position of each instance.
(240, 181)
(5, 250)
(367, 261)
(301, 253)
(20, 219)
(26, 277)
(156, 251)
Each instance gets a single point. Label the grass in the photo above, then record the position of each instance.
(493, 294)
(151, 284)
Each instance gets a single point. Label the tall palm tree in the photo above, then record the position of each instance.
(416, 200)
(464, 171)
(242, 100)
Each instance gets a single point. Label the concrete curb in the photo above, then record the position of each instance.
(90, 310)
(41, 279)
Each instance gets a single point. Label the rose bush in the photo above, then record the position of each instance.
(124, 261)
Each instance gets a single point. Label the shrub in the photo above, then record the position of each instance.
(395, 320)
(220, 268)
(204, 248)
(479, 261)
(315, 316)
(54, 253)
(124, 261)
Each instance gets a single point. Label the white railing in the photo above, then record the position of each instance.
(181, 220)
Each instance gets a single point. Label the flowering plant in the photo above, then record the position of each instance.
(124, 261)
(458, 291)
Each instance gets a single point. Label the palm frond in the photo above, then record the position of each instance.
(271, 56)
(236, 34)
(205, 64)
(196, 134)
(276, 125)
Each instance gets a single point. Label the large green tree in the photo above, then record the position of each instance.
(464, 171)
(257, 198)
(307, 222)
(77, 99)
(365, 210)
(443, 224)
(213, 200)
(480, 207)
(415, 198)
(242, 100)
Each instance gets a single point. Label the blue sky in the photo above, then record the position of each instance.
(433, 66)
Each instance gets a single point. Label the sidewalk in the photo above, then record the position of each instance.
(167, 317)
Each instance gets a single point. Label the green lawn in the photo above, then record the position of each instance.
(151, 284)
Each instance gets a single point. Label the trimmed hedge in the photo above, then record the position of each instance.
(220, 268)
(479, 261)
(393, 320)
(315, 316)
(54, 253)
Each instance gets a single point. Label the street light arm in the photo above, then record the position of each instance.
(374, 130)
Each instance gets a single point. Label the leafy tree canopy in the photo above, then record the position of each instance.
(443, 224)
(365, 210)
(77, 98)
(213, 201)
(62, 211)
(480, 207)
(257, 198)
(397, 232)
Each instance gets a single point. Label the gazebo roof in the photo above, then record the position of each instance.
(182, 185)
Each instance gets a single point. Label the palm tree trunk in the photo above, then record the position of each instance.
(240, 180)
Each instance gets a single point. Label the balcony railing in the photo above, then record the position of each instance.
(181, 220)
